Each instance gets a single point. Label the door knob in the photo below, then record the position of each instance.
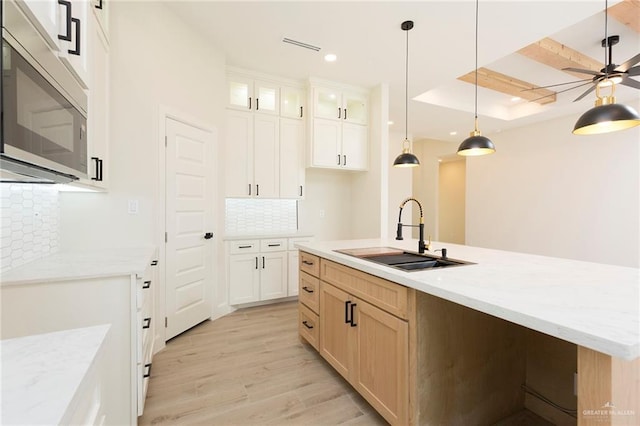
(208, 235)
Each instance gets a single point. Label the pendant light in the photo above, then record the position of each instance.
(406, 158)
(476, 144)
(606, 116)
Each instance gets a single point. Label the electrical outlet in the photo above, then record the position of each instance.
(133, 207)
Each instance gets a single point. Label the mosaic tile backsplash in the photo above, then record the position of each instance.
(252, 216)
(29, 223)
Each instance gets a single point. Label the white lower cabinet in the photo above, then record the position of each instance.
(124, 301)
(262, 269)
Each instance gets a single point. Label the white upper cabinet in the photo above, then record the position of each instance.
(253, 95)
(73, 38)
(44, 16)
(292, 102)
(292, 170)
(339, 131)
(334, 104)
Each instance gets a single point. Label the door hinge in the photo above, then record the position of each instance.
(166, 322)
(166, 237)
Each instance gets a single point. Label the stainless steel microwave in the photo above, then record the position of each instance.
(43, 131)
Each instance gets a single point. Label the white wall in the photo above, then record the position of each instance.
(547, 191)
(451, 201)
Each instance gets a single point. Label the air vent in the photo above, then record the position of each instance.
(300, 44)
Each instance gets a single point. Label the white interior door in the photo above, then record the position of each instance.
(189, 217)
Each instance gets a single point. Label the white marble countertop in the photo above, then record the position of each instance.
(41, 374)
(590, 304)
(255, 236)
(81, 264)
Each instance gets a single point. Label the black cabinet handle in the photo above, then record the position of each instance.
(305, 288)
(97, 161)
(243, 247)
(338, 159)
(345, 113)
(301, 190)
(249, 189)
(262, 262)
(154, 263)
(306, 324)
(146, 284)
(99, 5)
(76, 51)
(339, 112)
(306, 262)
(300, 112)
(274, 245)
(353, 324)
(257, 190)
(146, 323)
(148, 373)
(257, 104)
(256, 262)
(208, 235)
(344, 162)
(67, 35)
(346, 312)
(249, 102)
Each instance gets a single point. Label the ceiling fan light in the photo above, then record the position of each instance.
(605, 118)
(476, 145)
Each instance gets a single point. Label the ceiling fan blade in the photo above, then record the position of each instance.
(631, 83)
(562, 91)
(628, 64)
(634, 71)
(581, 71)
(586, 92)
(555, 85)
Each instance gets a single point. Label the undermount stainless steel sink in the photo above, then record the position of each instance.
(403, 260)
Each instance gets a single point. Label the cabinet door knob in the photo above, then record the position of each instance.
(208, 235)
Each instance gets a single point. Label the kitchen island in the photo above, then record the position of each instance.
(485, 338)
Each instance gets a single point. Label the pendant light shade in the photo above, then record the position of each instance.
(406, 158)
(606, 116)
(476, 144)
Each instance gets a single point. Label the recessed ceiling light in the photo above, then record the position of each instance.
(453, 133)
(390, 122)
(330, 57)
(515, 99)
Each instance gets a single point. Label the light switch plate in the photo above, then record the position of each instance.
(133, 207)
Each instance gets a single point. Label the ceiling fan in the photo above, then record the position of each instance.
(610, 74)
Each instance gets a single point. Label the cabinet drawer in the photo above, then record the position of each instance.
(388, 296)
(144, 373)
(309, 291)
(310, 264)
(308, 325)
(273, 245)
(244, 246)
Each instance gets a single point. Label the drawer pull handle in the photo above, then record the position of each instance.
(146, 284)
(306, 324)
(146, 323)
(154, 263)
(274, 245)
(305, 288)
(241, 247)
(306, 262)
(148, 373)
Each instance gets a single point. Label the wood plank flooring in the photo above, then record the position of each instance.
(250, 368)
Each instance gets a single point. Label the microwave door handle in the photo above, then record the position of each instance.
(67, 6)
(76, 51)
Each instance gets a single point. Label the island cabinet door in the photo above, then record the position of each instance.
(381, 370)
(337, 340)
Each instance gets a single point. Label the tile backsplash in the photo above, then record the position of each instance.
(29, 223)
(247, 216)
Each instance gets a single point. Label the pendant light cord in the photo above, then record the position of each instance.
(406, 92)
(606, 41)
(476, 73)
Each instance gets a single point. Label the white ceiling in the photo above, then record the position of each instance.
(370, 45)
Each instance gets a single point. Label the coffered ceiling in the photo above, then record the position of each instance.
(522, 45)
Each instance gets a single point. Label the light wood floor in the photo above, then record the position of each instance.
(249, 368)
